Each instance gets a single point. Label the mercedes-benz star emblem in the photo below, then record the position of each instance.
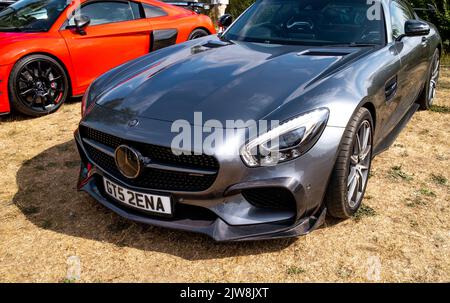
(133, 123)
(128, 161)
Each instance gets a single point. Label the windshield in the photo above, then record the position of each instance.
(311, 22)
(31, 15)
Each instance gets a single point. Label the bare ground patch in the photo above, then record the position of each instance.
(404, 225)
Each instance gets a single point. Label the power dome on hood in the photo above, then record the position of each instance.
(239, 81)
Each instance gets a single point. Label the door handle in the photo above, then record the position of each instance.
(424, 41)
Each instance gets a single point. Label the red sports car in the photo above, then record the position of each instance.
(53, 49)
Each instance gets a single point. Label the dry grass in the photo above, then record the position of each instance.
(404, 224)
(446, 59)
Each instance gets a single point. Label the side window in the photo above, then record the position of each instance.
(153, 11)
(108, 12)
(400, 13)
(269, 12)
(136, 9)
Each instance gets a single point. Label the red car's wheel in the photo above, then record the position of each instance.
(38, 85)
(198, 33)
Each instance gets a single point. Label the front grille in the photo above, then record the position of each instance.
(153, 178)
(276, 198)
(157, 153)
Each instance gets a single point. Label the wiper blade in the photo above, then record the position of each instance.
(363, 44)
(11, 29)
(20, 29)
(352, 44)
(32, 30)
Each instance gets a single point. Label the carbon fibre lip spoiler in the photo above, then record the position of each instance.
(195, 6)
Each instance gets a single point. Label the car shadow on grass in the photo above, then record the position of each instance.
(47, 196)
(17, 117)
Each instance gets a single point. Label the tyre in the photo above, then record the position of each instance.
(350, 174)
(198, 33)
(428, 94)
(38, 85)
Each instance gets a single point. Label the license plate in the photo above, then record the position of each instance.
(147, 202)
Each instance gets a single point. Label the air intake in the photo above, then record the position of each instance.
(276, 198)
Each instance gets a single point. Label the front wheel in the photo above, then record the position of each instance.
(38, 85)
(351, 172)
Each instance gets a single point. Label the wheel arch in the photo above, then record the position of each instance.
(66, 70)
(439, 47)
(203, 28)
(371, 108)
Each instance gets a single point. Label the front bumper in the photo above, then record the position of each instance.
(222, 212)
(216, 228)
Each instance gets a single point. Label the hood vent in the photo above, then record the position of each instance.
(211, 44)
(215, 44)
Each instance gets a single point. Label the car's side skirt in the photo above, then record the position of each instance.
(387, 142)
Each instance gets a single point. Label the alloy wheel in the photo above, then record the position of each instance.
(359, 164)
(40, 85)
(434, 80)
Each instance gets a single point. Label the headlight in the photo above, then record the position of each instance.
(85, 102)
(287, 141)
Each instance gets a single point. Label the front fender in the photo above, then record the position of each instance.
(361, 82)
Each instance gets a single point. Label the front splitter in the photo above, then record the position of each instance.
(217, 229)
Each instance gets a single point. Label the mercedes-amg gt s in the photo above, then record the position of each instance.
(169, 139)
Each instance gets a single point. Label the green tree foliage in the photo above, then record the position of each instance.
(441, 19)
(236, 7)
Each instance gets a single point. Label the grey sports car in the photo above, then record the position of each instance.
(262, 130)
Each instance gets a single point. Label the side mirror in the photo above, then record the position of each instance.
(80, 23)
(416, 28)
(431, 8)
(225, 21)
